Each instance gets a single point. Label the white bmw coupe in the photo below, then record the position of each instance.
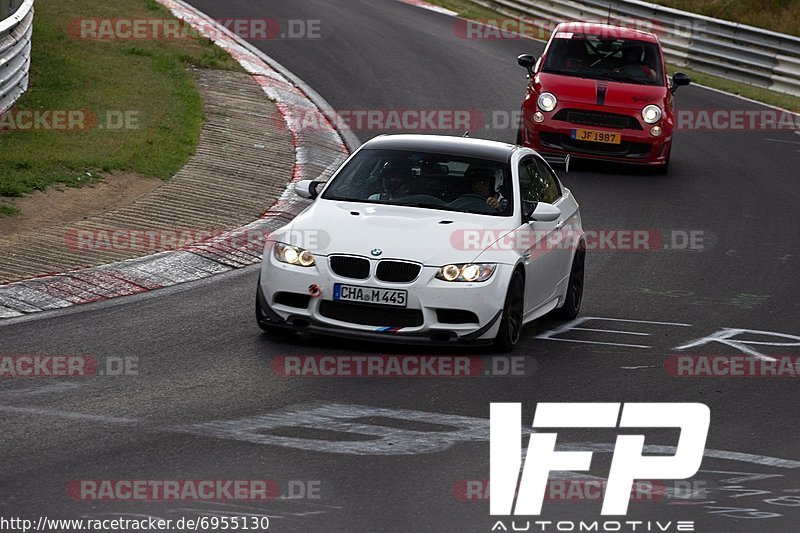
(430, 240)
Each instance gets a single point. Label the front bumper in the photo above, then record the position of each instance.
(553, 139)
(286, 300)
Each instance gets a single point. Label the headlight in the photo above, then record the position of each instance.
(547, 101)
(651, 114)
(286, 253)
(466, 272)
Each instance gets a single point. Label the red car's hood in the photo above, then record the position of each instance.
(585, 91)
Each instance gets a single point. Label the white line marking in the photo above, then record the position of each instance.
(741, 477)
(430, 7)
(234, 505)
(47, 388)
(726, 336)
(573, 325)
(465, 429)
(782, 141)
(612, 331)
(346, 418)
(122, 515)
(643, 321)
(636, 367)
(374, 439)
(670, 450)
(66, 414)
(280, 499)
(235, 513)
(598, 342)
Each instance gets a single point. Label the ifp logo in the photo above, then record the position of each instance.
(627, 464)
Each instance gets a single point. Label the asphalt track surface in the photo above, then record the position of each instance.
(201, 357)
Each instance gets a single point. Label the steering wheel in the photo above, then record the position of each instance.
(472, 195)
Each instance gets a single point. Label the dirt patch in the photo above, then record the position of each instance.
(66, 204)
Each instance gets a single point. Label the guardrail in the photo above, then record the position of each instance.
(726, 49)
(15, 49)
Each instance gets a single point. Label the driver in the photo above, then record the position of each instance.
(396, 181)
(633, 63)
(482, 184)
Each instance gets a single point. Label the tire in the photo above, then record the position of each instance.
(265, 326)
(572, 302)
(511, 321)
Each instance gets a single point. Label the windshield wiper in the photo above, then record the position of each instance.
(438, 207)
(621, 78)
(435, 206)
(562, 72)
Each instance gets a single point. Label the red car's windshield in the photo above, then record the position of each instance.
(602, 58)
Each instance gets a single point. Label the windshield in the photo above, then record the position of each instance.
(429, 180)
(602, 58)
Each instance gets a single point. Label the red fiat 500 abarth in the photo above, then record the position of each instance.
(599, 92)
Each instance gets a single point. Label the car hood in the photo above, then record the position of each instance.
(429, 236)
(570, 89)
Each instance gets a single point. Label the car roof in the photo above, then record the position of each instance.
(443, 144)
(606, 30)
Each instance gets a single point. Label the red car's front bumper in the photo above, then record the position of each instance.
(553, 137)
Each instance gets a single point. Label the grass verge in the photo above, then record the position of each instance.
(140, 94)
(468, 9)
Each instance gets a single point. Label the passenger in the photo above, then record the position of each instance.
(633, 63)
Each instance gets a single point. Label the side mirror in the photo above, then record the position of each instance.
(528, 62)
(678, 79)
(308, 189)
(527, 210)
(545, 212)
